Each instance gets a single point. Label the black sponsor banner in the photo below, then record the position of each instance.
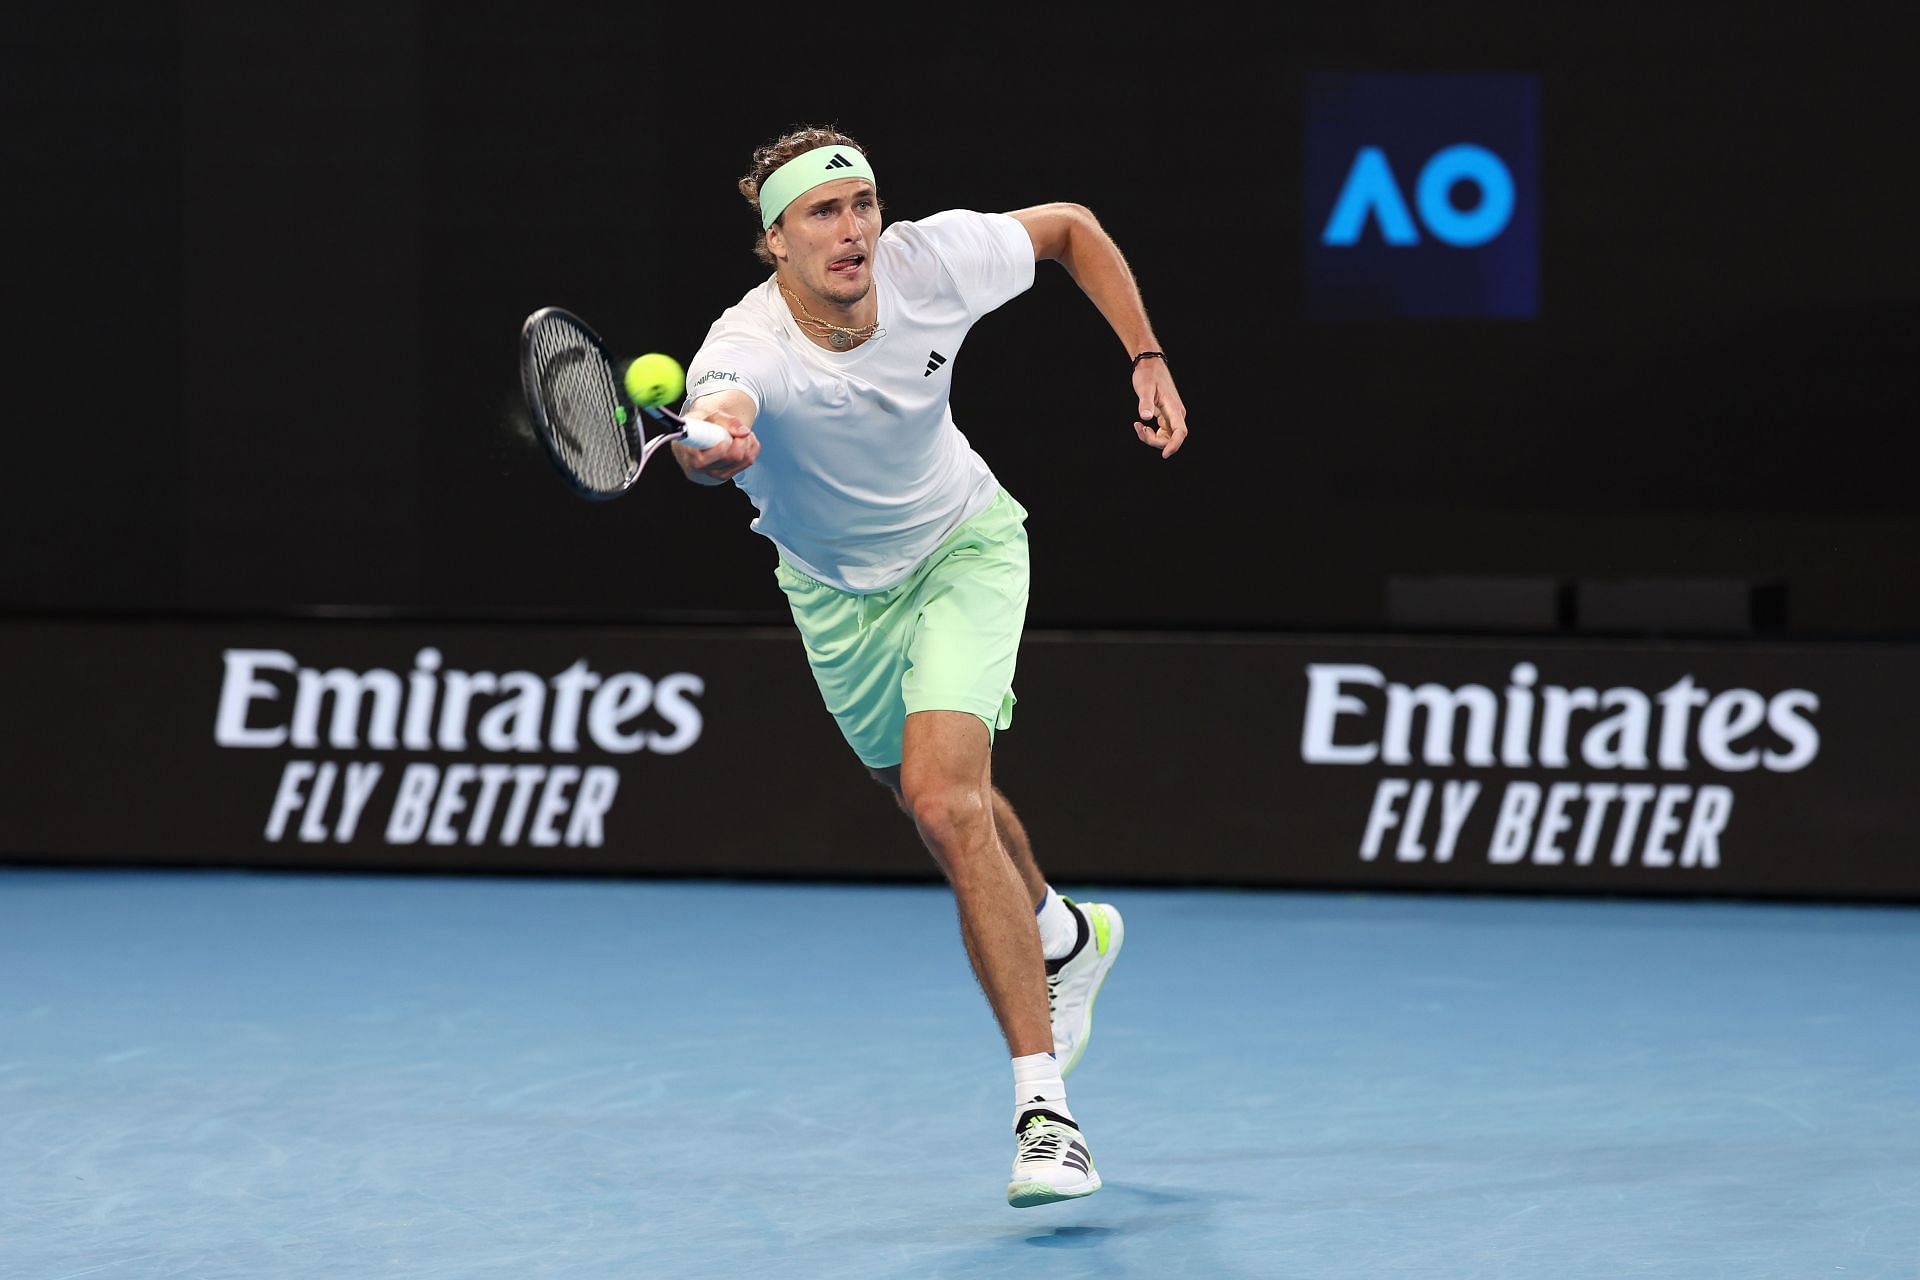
(449, 747)
(1530, 766)
(1533, 766)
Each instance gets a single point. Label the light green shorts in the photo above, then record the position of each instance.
(944, 639)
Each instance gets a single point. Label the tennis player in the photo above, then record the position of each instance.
(905, 562)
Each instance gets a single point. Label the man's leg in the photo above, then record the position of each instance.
(946, 787)
(1013, 835)
(1079, 940)
(946, 783)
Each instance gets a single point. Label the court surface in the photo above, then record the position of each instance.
(209, 1074)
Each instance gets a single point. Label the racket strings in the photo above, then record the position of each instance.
(582, 406)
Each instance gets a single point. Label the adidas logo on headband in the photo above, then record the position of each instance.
(806, 171)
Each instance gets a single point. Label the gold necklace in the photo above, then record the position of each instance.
(838, 336)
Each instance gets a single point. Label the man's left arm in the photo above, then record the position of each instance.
(1070, 235)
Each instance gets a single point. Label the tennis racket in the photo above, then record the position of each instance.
(596, 442)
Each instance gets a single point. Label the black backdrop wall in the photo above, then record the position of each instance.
(268, 263)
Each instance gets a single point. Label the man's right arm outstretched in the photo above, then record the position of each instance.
(734, 410)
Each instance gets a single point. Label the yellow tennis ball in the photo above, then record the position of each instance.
(655, 379)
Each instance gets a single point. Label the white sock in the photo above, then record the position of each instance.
(1058, 932)
(1037, 1083)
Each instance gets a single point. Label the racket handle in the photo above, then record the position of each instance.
(700, 434)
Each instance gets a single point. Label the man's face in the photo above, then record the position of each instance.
(825, 239)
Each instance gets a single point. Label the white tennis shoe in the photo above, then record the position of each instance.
(1074, 980)
(1051, 1162)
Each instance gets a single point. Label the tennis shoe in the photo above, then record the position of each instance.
(1051, 1162)
(1074, 980)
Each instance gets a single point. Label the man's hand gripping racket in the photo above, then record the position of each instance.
(599, 446)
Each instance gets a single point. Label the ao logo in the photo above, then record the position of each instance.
(1370, 191)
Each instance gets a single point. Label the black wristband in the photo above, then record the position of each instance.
(1148, 355)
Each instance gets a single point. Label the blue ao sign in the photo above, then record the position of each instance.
(1422, 196)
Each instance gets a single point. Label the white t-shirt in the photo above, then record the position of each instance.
(862, 471)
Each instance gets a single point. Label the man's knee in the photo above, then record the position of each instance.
(954, 818)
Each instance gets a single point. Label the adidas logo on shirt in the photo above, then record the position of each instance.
(934, 361)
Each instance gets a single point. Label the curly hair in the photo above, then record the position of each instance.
(772, 155)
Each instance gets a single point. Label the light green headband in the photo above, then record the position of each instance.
(805, 172)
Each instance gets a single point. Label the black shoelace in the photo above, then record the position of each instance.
(1039, 1141)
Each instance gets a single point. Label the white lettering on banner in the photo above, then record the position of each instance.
(543, 805)
(240, 687)
(381, 710)
(1325, 704)
(672, 700)
(1623, 738)
(1531, 821)
(1355, 715)
(1456, 801)
(1441, 706)
(269, 700)
(567, 804)
(361, 778)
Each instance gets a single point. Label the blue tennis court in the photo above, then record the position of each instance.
(215, 1074)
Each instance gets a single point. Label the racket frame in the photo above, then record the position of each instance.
(638, 445)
